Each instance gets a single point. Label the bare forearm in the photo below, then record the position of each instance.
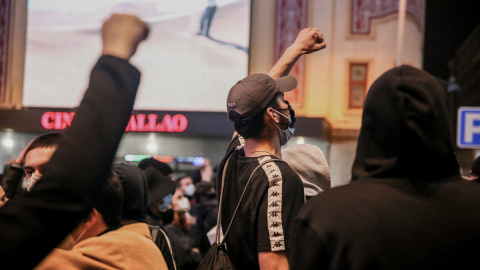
(273, 260)
(285, 64)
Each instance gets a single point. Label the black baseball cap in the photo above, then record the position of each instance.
(252, 94)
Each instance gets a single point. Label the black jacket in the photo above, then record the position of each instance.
(33, 224)
(407, 206)
(12, 181)
(183, 244)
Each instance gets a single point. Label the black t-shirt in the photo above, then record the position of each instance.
(265, 218)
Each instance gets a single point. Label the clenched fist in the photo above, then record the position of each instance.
(121, 35)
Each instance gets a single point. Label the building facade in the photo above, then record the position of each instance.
(361, 38)
(361, 41)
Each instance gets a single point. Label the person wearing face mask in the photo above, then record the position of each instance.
(187, 254)
(187, 186)
(29, 163)
(135, 198)
(259, 237)
(159, 203)
(34, 224)
(189, 190)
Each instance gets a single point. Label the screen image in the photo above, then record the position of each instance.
(196, 51)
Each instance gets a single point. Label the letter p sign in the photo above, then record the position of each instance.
(468, 127)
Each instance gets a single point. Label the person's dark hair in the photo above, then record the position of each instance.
(204, 191)
(179, 180)
(135, 191)
(46, 140)
(196, 176)
(250, 128)
(110, 201)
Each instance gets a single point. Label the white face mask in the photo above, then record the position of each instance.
(33, 179)
(190, 190)
(285, 134)
(183, 205)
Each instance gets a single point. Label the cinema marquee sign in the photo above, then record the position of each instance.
(138, 122)
(175, 123)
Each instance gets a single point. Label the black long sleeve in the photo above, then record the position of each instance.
(12, 182)
(32, 225)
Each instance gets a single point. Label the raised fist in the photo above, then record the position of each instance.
(121, 35)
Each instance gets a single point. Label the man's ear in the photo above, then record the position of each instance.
(91, 219)
(272, 115)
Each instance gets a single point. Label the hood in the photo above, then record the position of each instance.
(135, 191)
(164, 168)
(405, 130)
(309, 162)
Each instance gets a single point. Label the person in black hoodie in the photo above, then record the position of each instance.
(407, 206)
(34, 224)
(135, 195)
(159, 203)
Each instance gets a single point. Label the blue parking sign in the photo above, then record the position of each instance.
(468, 127)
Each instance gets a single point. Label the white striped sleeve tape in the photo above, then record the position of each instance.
(274, 208)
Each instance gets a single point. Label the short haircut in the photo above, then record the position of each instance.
(110, 201)
(250, 128)
(47, 140)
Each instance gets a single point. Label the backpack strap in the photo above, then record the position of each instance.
(154, 233)
(219, 215)
(239, 201)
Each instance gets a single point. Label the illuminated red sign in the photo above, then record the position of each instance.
(57, 120)
(148, 122)
(139, 122)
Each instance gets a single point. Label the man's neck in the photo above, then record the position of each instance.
(256, 148)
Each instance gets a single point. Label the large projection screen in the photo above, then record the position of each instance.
(182, 70)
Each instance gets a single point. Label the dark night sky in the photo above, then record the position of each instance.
(447, 24)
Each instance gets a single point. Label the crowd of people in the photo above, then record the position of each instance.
(63, 204)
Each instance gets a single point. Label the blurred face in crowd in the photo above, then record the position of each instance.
(35, 159)
(187, 187)
(161, 205)
(180, 203)
(181, 206)
(164, 209)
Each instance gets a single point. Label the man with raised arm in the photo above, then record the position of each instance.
(259, 237)
(32, 225)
